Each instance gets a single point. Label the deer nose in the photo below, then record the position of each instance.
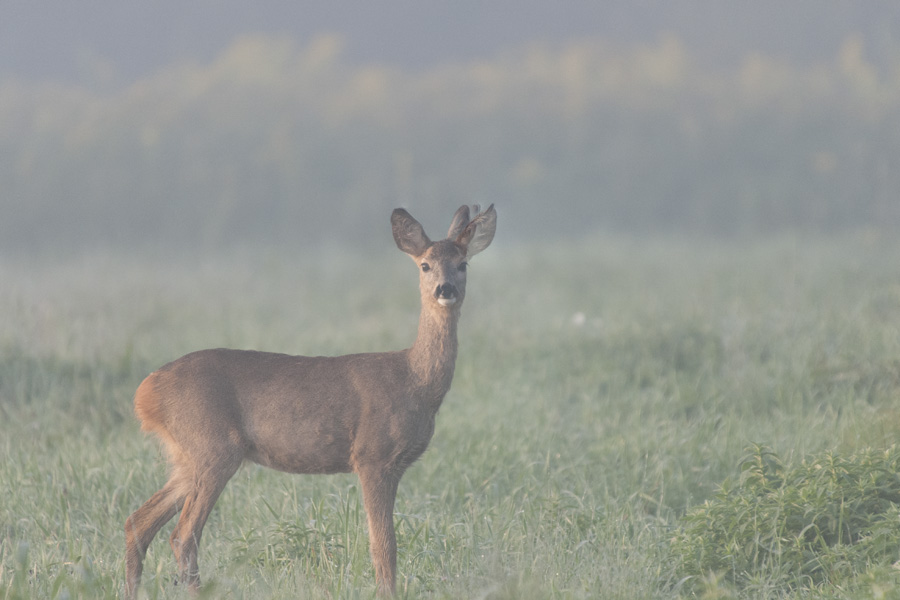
(446, 291)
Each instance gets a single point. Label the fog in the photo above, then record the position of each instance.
(216, 124)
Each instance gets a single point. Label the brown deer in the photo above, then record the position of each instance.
(372, 414)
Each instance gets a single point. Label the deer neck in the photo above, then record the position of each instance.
(433, 356)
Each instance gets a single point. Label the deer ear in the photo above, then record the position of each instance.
(460, 220)
(479, 233)
(408, 233)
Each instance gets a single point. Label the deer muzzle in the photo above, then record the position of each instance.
(446, 294)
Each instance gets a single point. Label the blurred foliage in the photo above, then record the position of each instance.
(271, 141)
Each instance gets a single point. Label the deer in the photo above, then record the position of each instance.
(372, 414)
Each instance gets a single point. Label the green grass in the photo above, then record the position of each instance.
(782, 528)
(605, 397)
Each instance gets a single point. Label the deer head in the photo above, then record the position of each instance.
(442, 264)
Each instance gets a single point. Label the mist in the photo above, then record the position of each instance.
(708, 120)
(679, 360)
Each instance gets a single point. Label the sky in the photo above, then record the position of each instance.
(112, 43)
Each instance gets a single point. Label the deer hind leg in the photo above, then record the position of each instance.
(201, 498)
(379, 492)
(143, 525)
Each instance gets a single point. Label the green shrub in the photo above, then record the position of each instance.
(789, 527)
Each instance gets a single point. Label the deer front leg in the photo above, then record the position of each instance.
(379, 492)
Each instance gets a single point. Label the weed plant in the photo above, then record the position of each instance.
(816, 524)
(605, 388)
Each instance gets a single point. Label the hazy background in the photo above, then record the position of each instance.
(202, 125)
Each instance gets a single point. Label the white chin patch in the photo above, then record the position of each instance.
(446, 301)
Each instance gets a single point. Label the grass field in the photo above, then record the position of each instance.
(604, 390)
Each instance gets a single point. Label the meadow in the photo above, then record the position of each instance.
(610, 397)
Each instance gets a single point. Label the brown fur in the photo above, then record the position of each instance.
(372, 414)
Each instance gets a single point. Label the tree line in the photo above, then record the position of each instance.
(278, 142)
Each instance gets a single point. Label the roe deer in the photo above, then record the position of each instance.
(372, 414)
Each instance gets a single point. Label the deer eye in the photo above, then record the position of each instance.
(425, 267)
(463, 266)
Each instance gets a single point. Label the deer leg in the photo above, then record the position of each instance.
(197, 506)
(379, 492)
(143, 525)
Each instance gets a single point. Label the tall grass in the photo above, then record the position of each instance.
(605, 389)
(782, 527)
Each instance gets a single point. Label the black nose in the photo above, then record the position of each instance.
(445, 290)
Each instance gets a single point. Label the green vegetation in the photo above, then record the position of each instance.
(270, 140)
(594, 444)
(815, 524)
